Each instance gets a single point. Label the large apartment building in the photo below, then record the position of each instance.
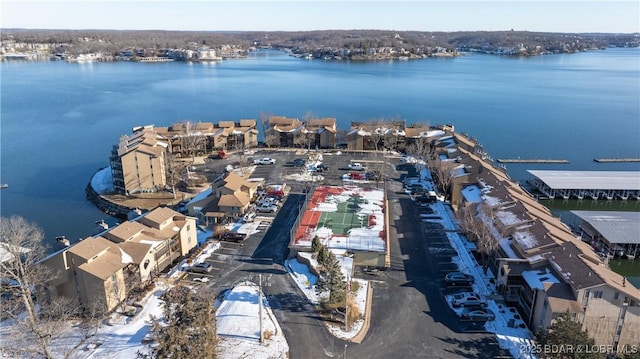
(103, 269)
(540, 266)
(189, 139)
(139, 161)
(313, 133)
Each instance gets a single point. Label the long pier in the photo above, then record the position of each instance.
(518, 160)
(610, 160)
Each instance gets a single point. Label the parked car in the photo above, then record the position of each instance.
(356, 166)
(264, 161)
(372, 176)
(299, 162)
(200, 268)
(481, 314)
(233, 236)
(468, 299)
(320, 168)
(249, 217)
(458, 279)
(267, 208)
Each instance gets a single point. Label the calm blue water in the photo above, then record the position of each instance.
(60, 120)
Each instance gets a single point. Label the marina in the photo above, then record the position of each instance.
(607, 185)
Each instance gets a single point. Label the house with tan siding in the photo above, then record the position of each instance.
(103, 269)
(229, 197)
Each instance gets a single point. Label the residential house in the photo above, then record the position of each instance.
(540, 266)
(103, 269)
(138, 162)
(229, 197)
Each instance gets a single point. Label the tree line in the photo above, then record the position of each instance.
(113, 41)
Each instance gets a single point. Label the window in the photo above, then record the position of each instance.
(545, 304)
(616, 296)
(597, 294)
(146, 264)
(188, 227)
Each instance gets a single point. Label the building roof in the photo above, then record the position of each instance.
(605, 180)
(239, 199)
(561, 299)
(90, 247)
(104, 266)
(158, 216)
(616, 227)
(125, 231)
(137, 251)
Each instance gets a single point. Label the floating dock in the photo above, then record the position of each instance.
(518, 160)
(610, 160)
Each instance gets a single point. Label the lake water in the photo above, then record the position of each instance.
(60, 120)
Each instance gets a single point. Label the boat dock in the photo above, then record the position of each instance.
(533, 160)
(586, 184)
(610, 160)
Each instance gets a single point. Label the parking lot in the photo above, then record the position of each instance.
(409, 306)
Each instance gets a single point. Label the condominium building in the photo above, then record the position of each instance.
(540, 266)
(103, 269)
(138, 162)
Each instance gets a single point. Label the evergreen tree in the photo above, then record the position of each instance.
(564, 333)
(316, 244)
(189, 330)
(337, 287)
(323, 255)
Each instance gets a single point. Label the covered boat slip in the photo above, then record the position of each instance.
(586, 184)
(612, 233)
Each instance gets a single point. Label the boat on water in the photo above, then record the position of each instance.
(4, 185)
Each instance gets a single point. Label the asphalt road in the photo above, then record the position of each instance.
(410, 318)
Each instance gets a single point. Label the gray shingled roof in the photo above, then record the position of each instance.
(605, 180)
(616, 227)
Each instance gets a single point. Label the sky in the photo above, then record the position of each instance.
(305, 15)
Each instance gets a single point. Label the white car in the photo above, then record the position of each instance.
(264, 161)
(356, 166)
(267, 208)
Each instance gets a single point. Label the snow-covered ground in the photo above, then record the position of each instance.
(239, 326)
(120, 337)
(506, 325)
(102, 181)
(306, 282)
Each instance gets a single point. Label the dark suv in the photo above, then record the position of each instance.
(299, 162)
(233, 237)
(458, 279)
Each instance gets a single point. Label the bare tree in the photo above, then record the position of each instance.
(264, 122)
(37, 318)
(476, 220)
(174, 168)
(419, 149)
(192, 140)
